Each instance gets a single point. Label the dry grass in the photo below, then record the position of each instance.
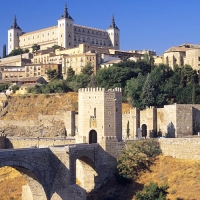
(11, 182)
(126, 107)
(30, 106)
(182, 176)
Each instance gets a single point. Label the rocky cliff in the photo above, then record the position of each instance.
(36, 115)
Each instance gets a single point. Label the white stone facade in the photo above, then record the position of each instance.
(66, 34)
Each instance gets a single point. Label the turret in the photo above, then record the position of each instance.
(13, 36)
(114, 34)
(66, 30)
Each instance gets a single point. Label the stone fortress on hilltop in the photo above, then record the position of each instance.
(65, 34)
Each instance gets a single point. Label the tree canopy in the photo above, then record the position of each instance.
(18, 51)
(35, 47)
(143, 83)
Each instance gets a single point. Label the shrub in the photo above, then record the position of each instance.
(15, 88)
(137, 157)
(153, 192)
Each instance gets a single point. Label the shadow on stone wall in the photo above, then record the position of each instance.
(8, 144)
(170, 130)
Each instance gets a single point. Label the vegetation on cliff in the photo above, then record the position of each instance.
(143, 84)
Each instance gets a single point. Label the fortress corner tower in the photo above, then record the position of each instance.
(13, 36)
(114, 34)
(100, 116)
(66, 30)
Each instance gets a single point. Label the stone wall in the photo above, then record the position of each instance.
(18, 142)
(177, 120)
(60, 124)
(167, 120)
(183, 148)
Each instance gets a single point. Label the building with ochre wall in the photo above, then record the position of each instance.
(66, 34)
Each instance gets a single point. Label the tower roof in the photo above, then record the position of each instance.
(15, 25)
(113, 25)
(66, 14)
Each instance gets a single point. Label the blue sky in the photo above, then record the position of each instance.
(144, 24)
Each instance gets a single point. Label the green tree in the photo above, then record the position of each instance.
(4, 86)
(52, 74)
(153, 192)
(15, 88)
(193, 94)
(35, 47)
(26, 50)
(56, 47)
(16, 52)
(4, 51)
(70, 74)
(148, 59)
(133, 90)
(148, 93)
(128, 130)
(92, 82)
(80, 81)
(88, 69)
(137, 157)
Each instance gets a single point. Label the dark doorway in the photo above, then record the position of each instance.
(144, 130)
(92, 136)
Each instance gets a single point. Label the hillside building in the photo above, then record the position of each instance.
(185, 54)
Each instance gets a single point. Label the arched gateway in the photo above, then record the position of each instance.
(144, 130)
(92, 136)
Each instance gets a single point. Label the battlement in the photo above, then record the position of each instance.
(2, 135)
(117, 89)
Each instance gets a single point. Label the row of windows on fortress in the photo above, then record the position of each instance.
(68, 61)
(82, 31)
(77, 39)
(101, 41)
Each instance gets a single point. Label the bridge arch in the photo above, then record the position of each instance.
(35, 184)
(86, 174)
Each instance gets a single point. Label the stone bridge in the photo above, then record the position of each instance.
(52, 173)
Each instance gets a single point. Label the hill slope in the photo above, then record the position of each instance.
(182, 176)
